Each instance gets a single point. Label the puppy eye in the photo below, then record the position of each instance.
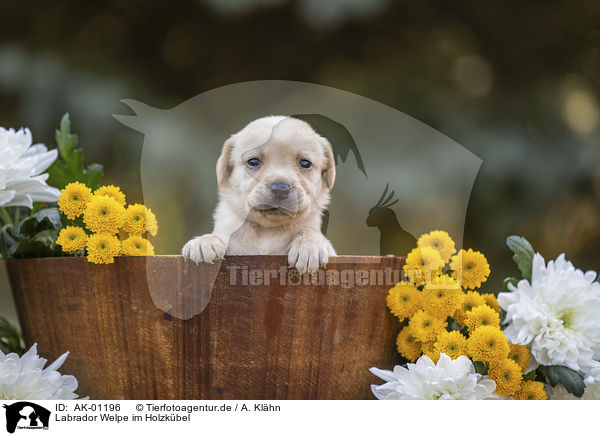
(253, 163)
(305, 164)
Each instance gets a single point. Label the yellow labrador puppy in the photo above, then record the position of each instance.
(274, 178)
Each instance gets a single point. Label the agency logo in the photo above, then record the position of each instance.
(26, 415)
(379, 153)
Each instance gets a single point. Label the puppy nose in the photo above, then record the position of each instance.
(280, 190)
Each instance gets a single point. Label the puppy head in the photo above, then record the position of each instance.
(275, 170)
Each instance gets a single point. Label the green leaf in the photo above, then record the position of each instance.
(32, 248)
(34, 236)
(570, 379)
(507, 281)
(10, 338)
(48, 238)
(480, 367)
(52, 214)
(60, 175)
(523, 254)
(530, 376)
(66, 143)
(93, 175)
(69, 167)
(27, 228)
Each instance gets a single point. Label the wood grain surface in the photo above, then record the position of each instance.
(162, 328)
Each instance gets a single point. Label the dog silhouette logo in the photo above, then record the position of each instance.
(374, 145)
(26, 415)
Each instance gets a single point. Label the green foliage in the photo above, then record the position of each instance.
(33, 236)
(523, 254)
(69, 166)
(530, 376)
(10, 338)
(570, 379)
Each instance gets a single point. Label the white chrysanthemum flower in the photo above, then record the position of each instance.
(25, 378)
(447, 380)
(557, 315)
(21, 165)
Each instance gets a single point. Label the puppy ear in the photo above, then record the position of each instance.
(329, 171)
(224, 166)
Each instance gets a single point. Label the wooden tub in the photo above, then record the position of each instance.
(161, 328)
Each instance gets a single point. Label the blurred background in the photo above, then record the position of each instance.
(516, 83)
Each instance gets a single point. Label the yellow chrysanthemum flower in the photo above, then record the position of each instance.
(111, 191)
(407, 345)
(73, 199)
(136, 219)
(453, 344)
(487, 344)
(425, 327)
(72, 239)
(520, 354)
(482, 315)
(470, 267)
(102, 248)
(472, 299)
(151, 222)
(442, 296)
(430, 351)
(422, 264)
(492, 301)
(530, 390)
(137, 246)
(440, 241)
(508, 376)
(404, 300)
(104, 214)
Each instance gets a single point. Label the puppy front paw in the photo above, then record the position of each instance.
(309, 252)
(206, 248)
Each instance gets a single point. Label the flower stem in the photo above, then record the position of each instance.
(5, 216)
